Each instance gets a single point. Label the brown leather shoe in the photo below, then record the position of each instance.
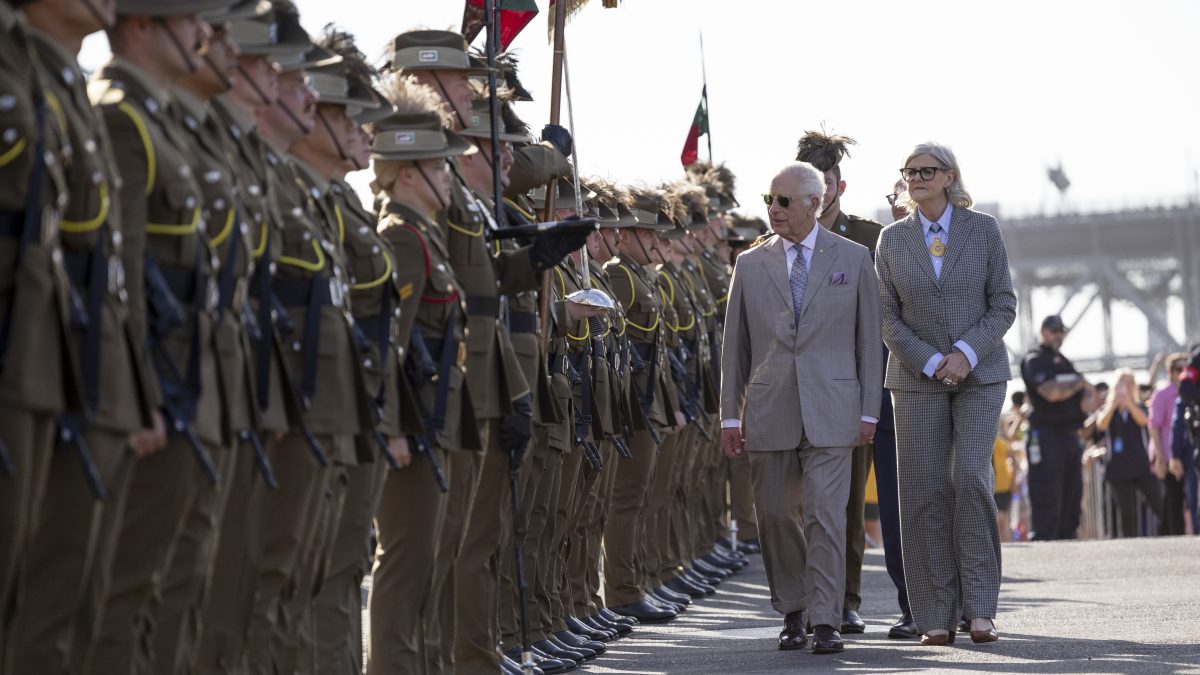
(937, 640)
(982, 636)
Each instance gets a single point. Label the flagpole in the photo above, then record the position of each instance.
(704, 95)
(492, 9)
(560, 24)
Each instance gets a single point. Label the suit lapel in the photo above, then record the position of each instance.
(915, 238)
(777, 267)
(822, 261)
(960, 231)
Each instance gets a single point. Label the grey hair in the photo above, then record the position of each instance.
(812, 182)
(957, 193)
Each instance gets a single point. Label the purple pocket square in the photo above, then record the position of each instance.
(838, 279)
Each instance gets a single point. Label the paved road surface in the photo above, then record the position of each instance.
(1097, 606)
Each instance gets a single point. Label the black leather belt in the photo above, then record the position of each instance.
(483, 305)
(522, 322)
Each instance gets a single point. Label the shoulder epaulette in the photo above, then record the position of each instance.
(761, 240)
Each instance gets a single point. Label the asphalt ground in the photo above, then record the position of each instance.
(1124, 606)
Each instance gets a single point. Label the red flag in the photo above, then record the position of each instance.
(691, 147)
(514, 16)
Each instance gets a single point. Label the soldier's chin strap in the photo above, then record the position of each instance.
(183, 53)
(437, 195)
(95, 12)
(254, 85)
(333, 137)
(462, 124)
(638, 239)
(292, 116)
(225, 81)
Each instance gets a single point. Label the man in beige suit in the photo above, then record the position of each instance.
(802, 378)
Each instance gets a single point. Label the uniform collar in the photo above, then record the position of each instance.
(841, 224)
(62, 60)
(408, 214)
(189, 104)
(235, 112)
(320, 185)
(137, 81)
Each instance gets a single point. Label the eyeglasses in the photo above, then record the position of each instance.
(925, 172)
(891, 199)
(785, 202)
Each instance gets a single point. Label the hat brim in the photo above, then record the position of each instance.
(309, 64)
(487, 136)
(242, 10)
(160, 8)
(455, 146)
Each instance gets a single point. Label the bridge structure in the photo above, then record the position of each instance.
(1144, 257)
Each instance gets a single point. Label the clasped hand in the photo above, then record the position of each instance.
(954, 367)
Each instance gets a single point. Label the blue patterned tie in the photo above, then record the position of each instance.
(799, 281)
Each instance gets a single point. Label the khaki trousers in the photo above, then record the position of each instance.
(288, 532)
(596, 531)
(410, 519)
(29, 437)
(163, 487)
(229, 603)
(337, 609)
(540, 551)
(186, 582)
(623, 535)
(568, 484)
(856, 534)
(465, 471)
(656, 537)
(800, 496)
(741, 494)
(71, 557)
(532, 474)
(583, 522)
(477, 572)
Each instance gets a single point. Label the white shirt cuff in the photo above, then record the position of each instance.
(870, 420)
(731, 424)
(932, 364)
(967, 352)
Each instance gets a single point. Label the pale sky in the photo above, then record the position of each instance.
(1108, 87)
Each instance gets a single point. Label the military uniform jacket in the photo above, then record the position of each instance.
(858, 230)
(639, 296)
(612, 370)
(248, 162)
(228, 235)
(709, 338)
(429, 295)
(375, 302)
(523, 322)
(115, 375)
(162, 216)
(338, 406)
(716, 276)
(36, 368)
(491, 362)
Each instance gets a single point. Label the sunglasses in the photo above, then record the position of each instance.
(891, 199)
(925, 172)
(785, 202)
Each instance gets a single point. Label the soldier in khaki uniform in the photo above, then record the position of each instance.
(333, 148)
(319, 368)
(77, 531)
(825, 152)
(634, 286)
(229, 601)
(412, 179)
(229, 234)
(718, 182)
(499, 391)
(162, 216)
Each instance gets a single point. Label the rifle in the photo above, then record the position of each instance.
(70, 432)
(419, 368)
(583, 416)
(167, 315)
(646, 399)
(688, 393)
(569, 226)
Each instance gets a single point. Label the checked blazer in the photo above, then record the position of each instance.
(973, 300)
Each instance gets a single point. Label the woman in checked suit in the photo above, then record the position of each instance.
(947, 300)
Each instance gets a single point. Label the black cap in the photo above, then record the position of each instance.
(1053, 322)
